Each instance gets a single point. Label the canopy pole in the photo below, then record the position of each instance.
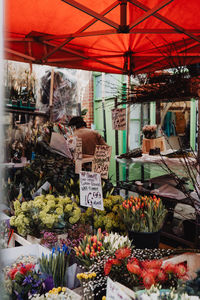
(198, 134)
(51, 95)
(103, 107)
(123, 27)
(128, 116)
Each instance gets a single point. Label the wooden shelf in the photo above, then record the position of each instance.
(23, 111)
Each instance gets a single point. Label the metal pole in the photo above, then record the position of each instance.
(117, 149)
(103, 107)
(198, 135)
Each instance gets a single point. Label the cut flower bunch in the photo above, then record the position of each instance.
(92, 246)
(143, 214)
(123, 266)
(44, 212)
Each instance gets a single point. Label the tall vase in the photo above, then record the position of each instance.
(142, 240)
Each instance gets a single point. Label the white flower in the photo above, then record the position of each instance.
(116, 241)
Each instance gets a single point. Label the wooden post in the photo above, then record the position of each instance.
(51, 94)
(103, 107)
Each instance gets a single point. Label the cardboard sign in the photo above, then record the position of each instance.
(119, 119)
(91, 190)
(101, 160)
(114, 292)
(78, 155)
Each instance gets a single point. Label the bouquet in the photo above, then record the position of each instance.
(127, 269)
(44, 212)
(93, 246)
(143, 214)
(22, 281)
(107, 219)
(149, 131)
(56, 264)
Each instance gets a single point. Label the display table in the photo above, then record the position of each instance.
(169, 192)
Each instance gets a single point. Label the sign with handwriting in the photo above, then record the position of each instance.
(114, 292)
(91, 190)
(119, 119)
(78, 155)
(101, 160)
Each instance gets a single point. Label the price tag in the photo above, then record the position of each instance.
(101, 160)
(119, 119)
(91, 190)
(114, 292)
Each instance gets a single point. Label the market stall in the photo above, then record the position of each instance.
(78, 216)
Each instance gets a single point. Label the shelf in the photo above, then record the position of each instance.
(26, 111)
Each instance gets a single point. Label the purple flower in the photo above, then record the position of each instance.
(27, 280)
(48, 284)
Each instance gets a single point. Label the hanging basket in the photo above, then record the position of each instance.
(142, 240)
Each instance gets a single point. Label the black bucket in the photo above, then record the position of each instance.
(142, 240)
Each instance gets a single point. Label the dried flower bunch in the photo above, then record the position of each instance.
(149, 131)
(129, 270)
(143, 214)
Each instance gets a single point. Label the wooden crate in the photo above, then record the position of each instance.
(148, 144)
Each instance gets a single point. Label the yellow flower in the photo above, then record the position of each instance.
(64, 289)
(59, 289)
(104, 298)
(79, 276)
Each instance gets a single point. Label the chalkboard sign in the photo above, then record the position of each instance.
(91, 190)
(101, 160)
(119, 119)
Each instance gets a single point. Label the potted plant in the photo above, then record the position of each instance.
(149, 131)
(143, 217)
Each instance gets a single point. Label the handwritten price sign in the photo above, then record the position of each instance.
(119, 119)
(101, 160)
(91, 190)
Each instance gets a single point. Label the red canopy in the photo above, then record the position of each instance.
(123, 36)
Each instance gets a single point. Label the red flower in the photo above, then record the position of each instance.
(153, 272)
(107, 267)
(169, 268)
(134, 268)
(29, 267)
(152, 264)
(148, 280)
(161, 276)
(180, 270)
(122, 253)
(133, 260)
(12, 273)
(115, 261)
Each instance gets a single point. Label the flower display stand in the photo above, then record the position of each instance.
(148, 144)
(33, 240)
(192, 259)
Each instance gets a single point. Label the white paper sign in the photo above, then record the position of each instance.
(91, 190)
(119, 118)
(114, 292)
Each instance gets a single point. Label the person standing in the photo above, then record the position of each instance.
(90, 138)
